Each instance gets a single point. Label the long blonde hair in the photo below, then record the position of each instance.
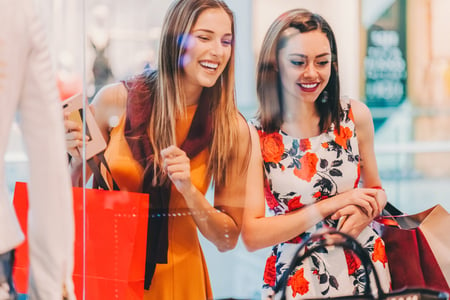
(169, 103)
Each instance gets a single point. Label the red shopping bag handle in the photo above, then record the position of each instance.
(388, 217)
(387, 221)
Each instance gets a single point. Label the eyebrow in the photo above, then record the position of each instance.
(305, 56)
(210, 31)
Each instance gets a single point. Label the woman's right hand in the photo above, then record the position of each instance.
(73, 136)
(354, 220)
(365, 198)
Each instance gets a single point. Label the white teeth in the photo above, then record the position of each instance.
(209, 65)
(309, 85)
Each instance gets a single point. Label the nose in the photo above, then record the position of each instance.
(217, 48)
(310, 70)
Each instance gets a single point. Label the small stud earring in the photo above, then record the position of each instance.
(324, 97)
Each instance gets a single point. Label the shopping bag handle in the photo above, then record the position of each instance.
(98, 175)
(392, 216)
(392, 210)
(325, 239)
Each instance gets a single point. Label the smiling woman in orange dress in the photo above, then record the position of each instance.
(179, 128)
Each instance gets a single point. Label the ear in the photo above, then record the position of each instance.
(274, 64)
(335, 67)
(275, 67)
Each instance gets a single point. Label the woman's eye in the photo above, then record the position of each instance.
(297, 62)
(323, 63)
(227, 42)
(203, 37)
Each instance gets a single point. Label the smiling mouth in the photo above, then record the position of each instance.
(308, 87)
(209, 65)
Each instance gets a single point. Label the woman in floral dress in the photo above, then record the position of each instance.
(309, 150)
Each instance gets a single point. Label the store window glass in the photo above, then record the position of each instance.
(406, 87)
(384, 62)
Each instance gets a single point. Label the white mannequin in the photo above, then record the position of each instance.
(28, 86)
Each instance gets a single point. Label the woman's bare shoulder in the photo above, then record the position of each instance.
(363, 120)
(109, 104)
(111, 95)
(361, 113)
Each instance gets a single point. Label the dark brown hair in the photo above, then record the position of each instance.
(271, 110)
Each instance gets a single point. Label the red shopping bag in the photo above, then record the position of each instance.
(417, 247)
(116, 235)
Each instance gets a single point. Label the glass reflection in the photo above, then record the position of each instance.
(126, 36)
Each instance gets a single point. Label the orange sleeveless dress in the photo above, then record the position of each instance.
(185, 276)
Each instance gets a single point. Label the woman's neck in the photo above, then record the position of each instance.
(299, 111)
(192, 94)
(301, 120)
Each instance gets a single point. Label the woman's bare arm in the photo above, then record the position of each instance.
(107, 107)
(260, 231)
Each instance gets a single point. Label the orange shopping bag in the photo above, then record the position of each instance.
(116, 236)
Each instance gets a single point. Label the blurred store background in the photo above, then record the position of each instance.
(393, 54)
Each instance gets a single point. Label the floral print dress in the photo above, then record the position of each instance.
(299, 172)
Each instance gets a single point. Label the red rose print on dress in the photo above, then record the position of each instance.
(379, 252)
(318, 195)
(296, 240)
(353, 261)
(270, 198)
(305, 145)
(272, 146)
(350, 115)
(298, 283)
(295, 203)
(308, 168)
(343, 137)
(301, 171)
(270, 271)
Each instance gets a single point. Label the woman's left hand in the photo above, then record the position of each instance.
(355, 220)
(177, 166)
